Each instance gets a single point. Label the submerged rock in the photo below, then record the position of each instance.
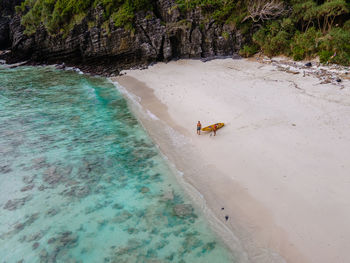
(60, 243)
(183, 210)
(5, 169)
(52, 212)
(208, 247)
(34, 237)
(17, 203)
(20, 226)
(67, 239)
(168, 196)
(27, 188)
(31, 219)
(39, 163)
(43, 255)
(51, 176)
(61, 66)
(28, 179)
(35, 245)
(118, 206)
(42, 187)
(122, 217)
(77, 191)
(144, 190)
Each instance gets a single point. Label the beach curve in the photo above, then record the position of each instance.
(278, 168)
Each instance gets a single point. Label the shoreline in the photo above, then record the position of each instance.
(154, 117)
(262, 230)
(165, 135)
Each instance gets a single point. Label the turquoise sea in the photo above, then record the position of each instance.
(81, 181)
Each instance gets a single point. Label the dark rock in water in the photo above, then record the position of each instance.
(183, 210)
(117, 206)
(51, 176)
(43, 255)
(168, 196)
(132, 230)
(62, 66)
(19, 227)
(309, 64)
(122, 217)
(52, 212)
(60, 243)
(51, 240)
(34, 237)
(67, 239)
(35, 245)
(208, 247)
(39, 163)
(77, 191)
(22, 238)
(28, 179)
(102, 224)
(42, 187)
(31, 219)
(84, 250)
(144, 190)
(5, 169)
(39, 160)
(27, 188)
(71, 182)
(16, 203)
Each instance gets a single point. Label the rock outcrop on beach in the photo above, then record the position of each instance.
(158, 35)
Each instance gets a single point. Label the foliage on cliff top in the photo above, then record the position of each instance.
(58, 16)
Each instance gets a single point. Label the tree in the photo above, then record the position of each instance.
(263, 10)
(329, 11)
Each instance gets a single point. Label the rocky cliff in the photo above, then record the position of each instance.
(159, 35)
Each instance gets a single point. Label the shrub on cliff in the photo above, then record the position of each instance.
(59, 16)
(248, 50)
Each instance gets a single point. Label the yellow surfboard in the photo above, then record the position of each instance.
(210, 127)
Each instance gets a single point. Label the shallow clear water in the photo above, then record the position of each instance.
(80, 181)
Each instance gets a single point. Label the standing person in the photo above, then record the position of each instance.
(199, 127)
(214, 129)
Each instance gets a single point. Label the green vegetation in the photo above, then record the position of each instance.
(248, 50)
(300, 29)
(313, 28)
(60, 16)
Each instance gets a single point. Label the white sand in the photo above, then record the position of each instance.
(281, 165)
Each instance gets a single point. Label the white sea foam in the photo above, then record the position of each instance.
(152, 116)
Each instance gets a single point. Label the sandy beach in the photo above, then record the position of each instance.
(279, 168)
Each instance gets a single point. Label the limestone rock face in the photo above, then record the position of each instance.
(159, 35)
(4, 32)
(7, 10)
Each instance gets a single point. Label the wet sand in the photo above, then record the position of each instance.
(279, 168)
